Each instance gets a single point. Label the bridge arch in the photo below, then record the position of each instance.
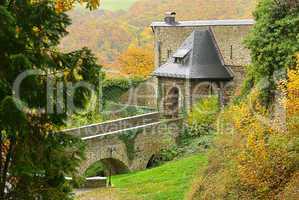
(105, 144)
(151, 162)
(104, 166)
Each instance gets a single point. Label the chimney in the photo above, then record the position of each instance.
(170, 18)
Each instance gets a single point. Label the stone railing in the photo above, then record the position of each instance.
(153, 127)
(92, 182)
(114, 125)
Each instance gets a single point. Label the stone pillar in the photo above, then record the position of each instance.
(188, 96)
(221, 94)
(160, 96)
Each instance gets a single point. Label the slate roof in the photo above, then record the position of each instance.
(200, 59)
(226, 22)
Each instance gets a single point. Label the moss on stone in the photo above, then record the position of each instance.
(129, 139)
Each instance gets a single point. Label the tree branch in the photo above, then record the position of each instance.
(6, 166)
(1, 146)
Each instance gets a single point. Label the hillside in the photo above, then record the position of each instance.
(109, 33)
(169, 181)
(115, 5)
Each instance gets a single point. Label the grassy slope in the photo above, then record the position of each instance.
(115, 5)
(169, 181)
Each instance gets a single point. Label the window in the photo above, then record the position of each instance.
(178, 60)
(181, 55)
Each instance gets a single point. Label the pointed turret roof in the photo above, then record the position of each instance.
(197, 58)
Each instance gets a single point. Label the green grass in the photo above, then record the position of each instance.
(114, 5)
(96, 169)
(170, 181)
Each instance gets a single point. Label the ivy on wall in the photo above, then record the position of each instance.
(273, 43)
(129, 139)
(113, 89)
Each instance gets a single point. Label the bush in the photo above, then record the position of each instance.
(78, 120)
(273, 43)
(114, 110)
(165, 155)
(96, 169)
(113, 89)
(203, 116)
(253, 160)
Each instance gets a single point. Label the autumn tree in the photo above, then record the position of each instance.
(64, 5)
(136, 61)
(34, 158)
(254, 158)
(273, 43)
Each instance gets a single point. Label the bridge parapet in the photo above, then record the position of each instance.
(132, 147)
(114, 125)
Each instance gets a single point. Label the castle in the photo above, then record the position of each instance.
(197, 58)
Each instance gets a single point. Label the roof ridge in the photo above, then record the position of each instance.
(213, 22)
(216, 46)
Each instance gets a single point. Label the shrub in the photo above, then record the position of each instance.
(114, 88)
(273, 43)
(203, 116)
(96, 169)
(254, 159)
(165, 155)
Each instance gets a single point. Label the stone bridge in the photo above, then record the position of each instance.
(127, 144)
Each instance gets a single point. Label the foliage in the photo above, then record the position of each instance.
(273, 44)
(114, 110)
(137, 61)
(163, 156)
(34, 159)
(115, 5)
(96, 169)
(114, 88)
(290, 89)
(129, 139)
(78, 120)
(186, 144)
(257, 155)
(169, 181)
(203, 115)
(111, 111)
(64, 5)
(256, 160)
(111, 33)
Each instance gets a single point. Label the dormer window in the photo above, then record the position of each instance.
(180, 55)
(178, 60)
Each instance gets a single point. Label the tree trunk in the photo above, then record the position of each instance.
(5, 169)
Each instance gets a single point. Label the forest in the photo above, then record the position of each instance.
(247, 149)
(115, 34)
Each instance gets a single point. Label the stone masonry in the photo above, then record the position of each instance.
(230, 45)
(127, 149)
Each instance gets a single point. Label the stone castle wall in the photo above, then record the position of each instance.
(169, 39)
(191, 91)
(230, 41)
(142, 95)
(165, 86)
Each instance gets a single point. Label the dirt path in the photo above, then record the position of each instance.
(96, 194)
